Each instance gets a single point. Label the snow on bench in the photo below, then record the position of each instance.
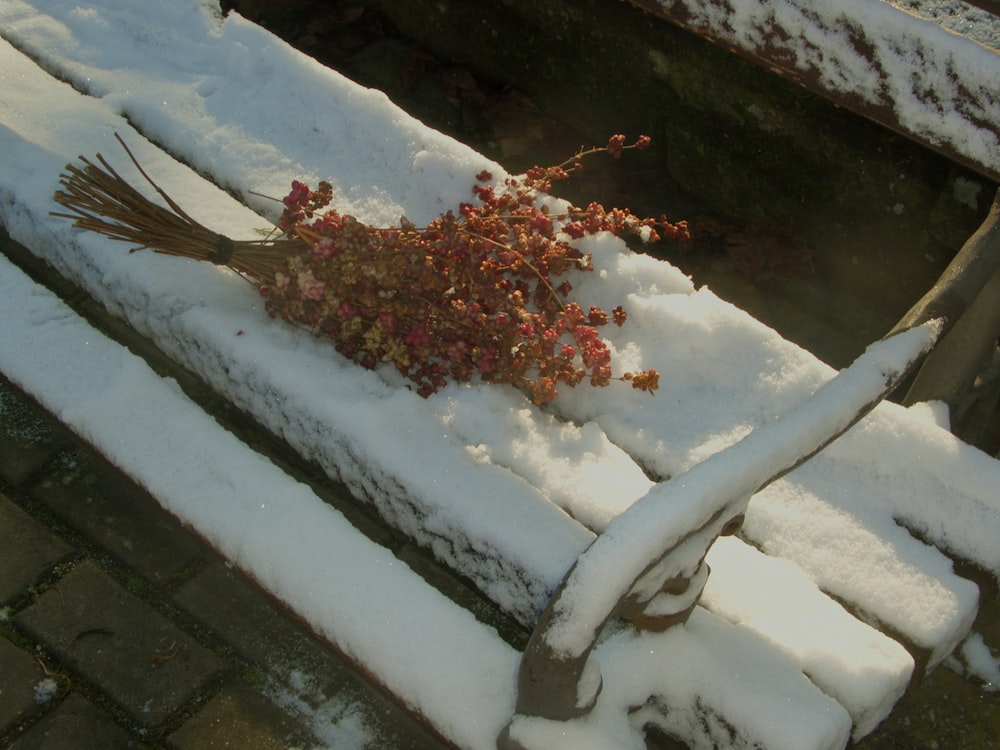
(504, 493)
(905, 72)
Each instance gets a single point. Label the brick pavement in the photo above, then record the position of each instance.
(120, 629)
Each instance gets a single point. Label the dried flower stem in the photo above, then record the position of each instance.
(100, 200)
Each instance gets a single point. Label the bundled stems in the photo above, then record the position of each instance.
(100, 200)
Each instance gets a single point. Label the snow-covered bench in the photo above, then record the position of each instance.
(789, 645)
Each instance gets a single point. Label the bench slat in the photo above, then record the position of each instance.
(905, 73)
(864, 669)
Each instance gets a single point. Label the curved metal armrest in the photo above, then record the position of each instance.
(649, 564)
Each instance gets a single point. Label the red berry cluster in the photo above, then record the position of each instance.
(472, 294)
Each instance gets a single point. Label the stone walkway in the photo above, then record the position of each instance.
(119, 628)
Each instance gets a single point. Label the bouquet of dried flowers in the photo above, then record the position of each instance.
(474, 294)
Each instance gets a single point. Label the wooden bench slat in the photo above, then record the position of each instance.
(862, 668)
(852, 548)
(905, 73)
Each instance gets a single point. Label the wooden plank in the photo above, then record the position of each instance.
(907, 74)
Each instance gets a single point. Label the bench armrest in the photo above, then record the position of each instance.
(649, 564)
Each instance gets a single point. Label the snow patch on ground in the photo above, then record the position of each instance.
(976, 659)
(45, 690)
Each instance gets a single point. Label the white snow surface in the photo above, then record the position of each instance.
(959, 17)
(505, 492)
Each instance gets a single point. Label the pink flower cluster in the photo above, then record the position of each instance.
(471, 295)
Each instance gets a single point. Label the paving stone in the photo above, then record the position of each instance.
(76, 723)
(28, 544)
(141, 660)
(113, 513)
(27, 442)
(19, 675)
(308, 672)
(240, 717)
